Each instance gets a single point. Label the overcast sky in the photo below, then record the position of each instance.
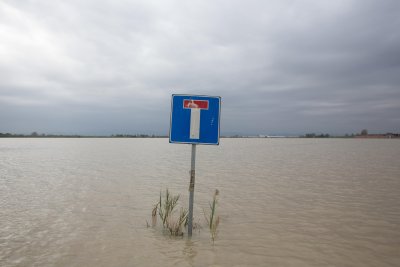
(280, 66)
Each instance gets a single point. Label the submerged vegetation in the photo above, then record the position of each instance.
(165, 209)
(174, 224)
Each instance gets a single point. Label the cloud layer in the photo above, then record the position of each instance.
(281, 67)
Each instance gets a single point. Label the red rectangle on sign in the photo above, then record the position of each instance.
(190, 103)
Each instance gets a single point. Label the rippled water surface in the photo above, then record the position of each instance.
(283, 202)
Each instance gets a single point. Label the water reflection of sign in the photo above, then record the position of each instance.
(195, 119)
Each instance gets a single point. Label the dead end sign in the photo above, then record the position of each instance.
(195, 119)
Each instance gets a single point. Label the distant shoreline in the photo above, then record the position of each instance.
(307, 136)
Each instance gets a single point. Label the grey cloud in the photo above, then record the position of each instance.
(280, 66)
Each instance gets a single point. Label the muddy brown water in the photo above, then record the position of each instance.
(283, 202)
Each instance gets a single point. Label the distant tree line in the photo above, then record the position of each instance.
(363, 134)
(314, 135)
(136, 136)
(38, 135)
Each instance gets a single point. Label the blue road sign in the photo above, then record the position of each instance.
(195, 119)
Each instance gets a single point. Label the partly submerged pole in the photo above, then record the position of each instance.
(191, 190)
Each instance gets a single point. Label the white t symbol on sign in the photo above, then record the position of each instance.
(195, 107)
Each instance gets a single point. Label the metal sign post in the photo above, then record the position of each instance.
(194, 120)
(191, 189)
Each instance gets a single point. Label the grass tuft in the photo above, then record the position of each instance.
(175, 225)
(154, 215)
(166, 207)
(212, 218)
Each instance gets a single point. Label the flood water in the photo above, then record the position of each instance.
(282, 202)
